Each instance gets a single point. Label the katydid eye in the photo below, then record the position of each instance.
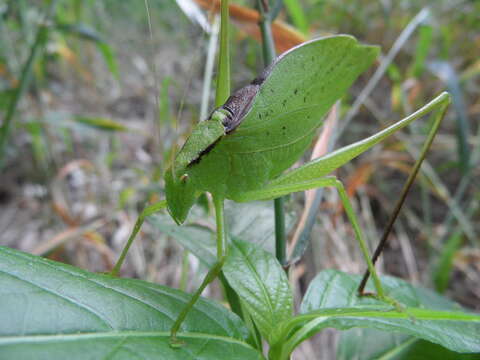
(184, 178)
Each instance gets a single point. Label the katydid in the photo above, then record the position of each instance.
(242, 150)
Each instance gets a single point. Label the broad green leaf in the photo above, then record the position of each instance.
(101, 123)
(262, 285)
(332, 301)
(123, 345)
(369, 344)
(50, 310)
(253, 221)
(199, 240)
(335, 289)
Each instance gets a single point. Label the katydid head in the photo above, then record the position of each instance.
(181, 195)
(181, 187)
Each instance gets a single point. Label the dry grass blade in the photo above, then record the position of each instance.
(46, 246)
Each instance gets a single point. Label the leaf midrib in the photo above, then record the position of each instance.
(8, 340)
(258, 280)
(84, 276)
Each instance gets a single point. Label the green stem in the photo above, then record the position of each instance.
(223, 81)
(268, 45)
(40, 40)
(280, 237)
(268, 48)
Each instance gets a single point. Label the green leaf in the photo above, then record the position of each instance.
(424, 44)
(83, 31)
(101, 123)
(199, 240)
(332, 301)
(369, 344)
(443, 270)
(55, 311)
(109, 57)
(88, 33)
(299, 19)
(335, 289)
(253, 221)
(262, 285)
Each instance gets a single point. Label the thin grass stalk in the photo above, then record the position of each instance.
(156, 118)
(208, 73)
(420, 18)
(40, 39)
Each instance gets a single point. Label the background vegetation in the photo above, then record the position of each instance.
(94, 95)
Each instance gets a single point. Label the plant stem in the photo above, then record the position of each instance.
(40, 39)
(265, 24)
(280, 236)
(223, 81)
(268, 56)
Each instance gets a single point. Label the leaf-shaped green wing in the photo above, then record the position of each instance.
(298, 90)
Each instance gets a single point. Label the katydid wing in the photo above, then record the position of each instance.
(255, 137)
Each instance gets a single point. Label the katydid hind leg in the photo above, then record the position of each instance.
(439, 115)
(147, 211)
(211, 275)
(304, 176)
(273, 191)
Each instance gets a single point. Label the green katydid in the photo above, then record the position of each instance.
(242, 150)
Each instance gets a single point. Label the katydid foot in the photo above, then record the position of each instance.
(386, 299)
(212, 275)
(399, 307)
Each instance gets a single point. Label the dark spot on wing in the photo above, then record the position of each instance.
(204, 152)
(295, 91)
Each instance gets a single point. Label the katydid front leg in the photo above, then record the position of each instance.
(212, 273)
(312, 175)
(149, 210)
